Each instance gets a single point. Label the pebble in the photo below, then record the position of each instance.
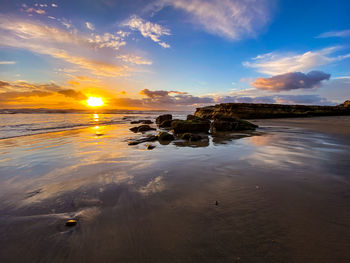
(71, 222)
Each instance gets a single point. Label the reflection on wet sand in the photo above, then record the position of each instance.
(204, 142)
(282, 196)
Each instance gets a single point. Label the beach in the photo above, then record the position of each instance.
(278, 194)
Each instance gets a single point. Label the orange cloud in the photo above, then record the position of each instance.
(73, 48)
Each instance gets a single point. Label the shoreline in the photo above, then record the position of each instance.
(274, 190)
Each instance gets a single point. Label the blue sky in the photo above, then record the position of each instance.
(173, 54)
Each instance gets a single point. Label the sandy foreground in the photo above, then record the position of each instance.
(282, 193)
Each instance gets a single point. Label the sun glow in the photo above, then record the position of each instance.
(94, 101)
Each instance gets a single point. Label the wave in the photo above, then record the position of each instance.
(43, 130)
(70, 126)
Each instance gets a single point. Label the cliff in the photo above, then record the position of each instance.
(264, 111)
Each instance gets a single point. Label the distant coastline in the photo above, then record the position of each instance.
(266, 111)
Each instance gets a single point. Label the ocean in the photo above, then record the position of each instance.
(24, 124)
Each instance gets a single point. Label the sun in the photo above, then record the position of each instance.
(94, 101)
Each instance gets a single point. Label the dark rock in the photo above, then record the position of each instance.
(71, 222)
(194, 118)
(165, 117)
(231, 125)
(165, 136)
(147, 121)
(191, 126)
(345, 104)
(134, 129)
(142, 128)
(260, 111)
(142, 121)
(165, 124)
(150, 138)
(191, 137)
(150, 146)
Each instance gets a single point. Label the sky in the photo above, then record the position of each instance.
(173, 54)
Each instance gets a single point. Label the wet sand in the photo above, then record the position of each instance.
(283, 195)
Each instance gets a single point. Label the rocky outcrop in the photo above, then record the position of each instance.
(194, 118)
(219, 125)
(262, 111)
(150, 138)
(191, 126)
(165, 117)
(142, 121)
(150, 146)
(142, 128)
(345, 104)
(165, 124)
(165, 136)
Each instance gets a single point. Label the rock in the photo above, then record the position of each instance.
(231, 125)
(165, 117)
(71, 222)
(345, 104)
(150, 138)
(150, 146)
(134, 129)
(147, 121)
(165, 124)
(165, 136)
(194, 118)
(142, 128)
(191, 137)
(260, 111)
(142, 121)
(191, 126)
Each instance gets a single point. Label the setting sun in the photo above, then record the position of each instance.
(94, 101)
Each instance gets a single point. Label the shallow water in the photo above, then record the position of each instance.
(282, 192)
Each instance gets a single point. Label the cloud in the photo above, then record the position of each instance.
(166, 98)
(276, 63)
(10, 91)
(164, 45)
(54, 5)
(162, 99)
(33, 10)
(343, 33)
(7, 62)
(123, 34)
(70, 47)
(154, 94)
(148, 29)
(108, 40)
(231, 19)
(308, 99)
(337, 89)
(70, 93)
(291, 81)
(132, 59)
(22, 93)
(4, 84)
(90, 26)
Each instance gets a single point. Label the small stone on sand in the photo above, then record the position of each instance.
(71, 222)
